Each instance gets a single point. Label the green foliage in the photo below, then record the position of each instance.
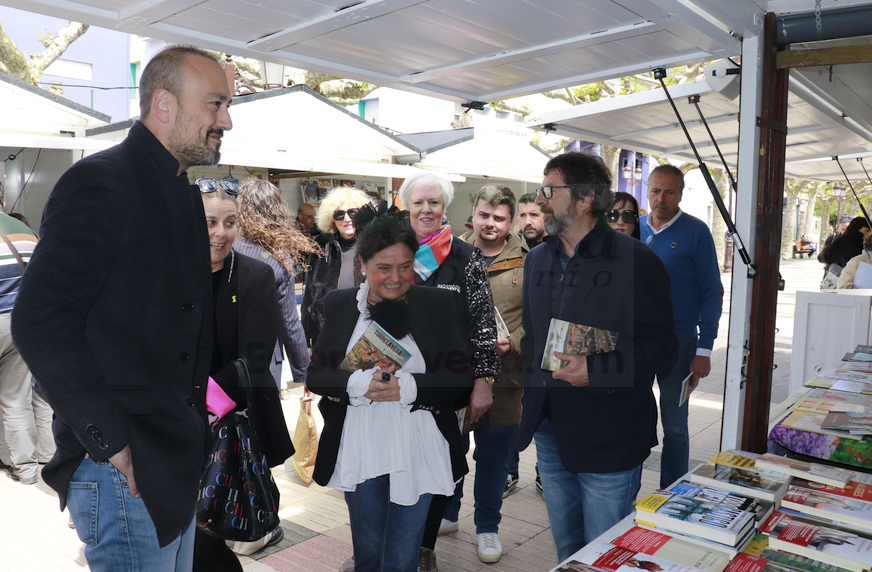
(44, 38)
(588, 92)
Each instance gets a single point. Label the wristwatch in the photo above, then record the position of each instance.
(491, 380)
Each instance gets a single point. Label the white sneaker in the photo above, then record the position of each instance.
(446, 527)
(489, 547)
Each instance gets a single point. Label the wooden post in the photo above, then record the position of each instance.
(761, 341)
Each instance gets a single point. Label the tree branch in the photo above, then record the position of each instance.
(13, 60)
(54, 47)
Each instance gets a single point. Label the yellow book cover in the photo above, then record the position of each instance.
(758, 544)
(652, 502)
(732, 460)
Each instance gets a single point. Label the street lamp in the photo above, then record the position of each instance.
(839, 192)
(633, 176)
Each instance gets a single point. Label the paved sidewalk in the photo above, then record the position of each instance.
(34, 536)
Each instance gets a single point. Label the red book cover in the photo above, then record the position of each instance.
(772, 521)
(747, 563)
(641, 540)
(854, 490)
(799, 533)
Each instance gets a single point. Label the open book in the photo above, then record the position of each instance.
(375, 348)
(569, 338)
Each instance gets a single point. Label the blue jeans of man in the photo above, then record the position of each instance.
(116, 528)
(581, 506)
(676, 439)
(386, 536)
(493, 445)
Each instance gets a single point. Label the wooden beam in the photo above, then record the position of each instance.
(859, 54)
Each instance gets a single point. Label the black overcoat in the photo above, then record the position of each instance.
(114, 320)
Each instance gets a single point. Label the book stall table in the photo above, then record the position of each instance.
(790, 441)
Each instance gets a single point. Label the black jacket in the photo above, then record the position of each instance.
(448, 378)
(247, 319)
(323, 277)
(114, 320)
(613, 282)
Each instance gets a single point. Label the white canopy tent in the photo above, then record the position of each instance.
(493, 49)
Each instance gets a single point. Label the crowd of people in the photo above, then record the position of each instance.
(131, 337)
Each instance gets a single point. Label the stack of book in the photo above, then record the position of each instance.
(854, 375)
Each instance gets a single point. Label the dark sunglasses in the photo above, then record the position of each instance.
(339, 215)
(208, 185)
(628, 217)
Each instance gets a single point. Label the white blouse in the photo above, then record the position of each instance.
(386, 437)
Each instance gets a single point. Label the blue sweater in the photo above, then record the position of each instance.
(688, 252)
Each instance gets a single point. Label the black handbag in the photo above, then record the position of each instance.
(238, 498)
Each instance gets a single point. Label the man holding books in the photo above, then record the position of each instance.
(594, 420)
(504, 253)
(687, 249)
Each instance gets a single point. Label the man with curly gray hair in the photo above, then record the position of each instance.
(594, 418)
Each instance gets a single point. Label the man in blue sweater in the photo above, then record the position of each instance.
(687, 249)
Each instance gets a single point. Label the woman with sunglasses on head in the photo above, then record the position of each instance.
(245, 315)
(337, 269)
(623, 215)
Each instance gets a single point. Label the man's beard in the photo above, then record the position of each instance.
(556, 223)
(190, 154)
(532, 232)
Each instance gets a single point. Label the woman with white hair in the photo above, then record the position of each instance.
(455, 265)
(338, 268)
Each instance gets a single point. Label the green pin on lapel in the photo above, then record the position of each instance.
(234, 298)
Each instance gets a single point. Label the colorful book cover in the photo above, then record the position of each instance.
(806, 421)
(812, 471)
(813, 539)
(568, 338)
(672, 549)
(759, 547)
(702, 511)
(824, 405)
(820, 382)
(745, 481)
(844, 421)
(819, 503)
(862, 367)
(731, 550)
(851, 399)
(612, 558)
(861, 491)
(375, 348)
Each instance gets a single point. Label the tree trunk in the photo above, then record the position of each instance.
(826, 229)
(718, 224)
(13, 60)
(809, 212)
(789, 222)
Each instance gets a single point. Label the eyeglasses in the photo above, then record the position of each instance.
(548, 191)
(339, 215)
(628, 217)
(208, 185)
(308, 216)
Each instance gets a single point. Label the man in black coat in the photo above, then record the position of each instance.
(114, 319)
(595, 419)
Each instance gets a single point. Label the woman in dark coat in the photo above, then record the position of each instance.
(246, 325)
(846, 246)
(336, 269)
(390, 438)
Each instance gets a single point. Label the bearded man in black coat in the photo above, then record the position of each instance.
(114, 320)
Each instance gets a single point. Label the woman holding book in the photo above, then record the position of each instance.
(390, 438)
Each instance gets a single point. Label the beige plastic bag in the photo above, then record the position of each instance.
(305, 441)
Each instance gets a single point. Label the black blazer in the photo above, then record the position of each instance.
(434, 326)
(114, 319)
(247, 320)
(613, 282)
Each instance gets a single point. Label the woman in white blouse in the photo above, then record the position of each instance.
(390, 438)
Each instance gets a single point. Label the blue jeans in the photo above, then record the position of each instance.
(676, 439)
(581, 506)
(386, 536)
(118, 533)
(493, 445)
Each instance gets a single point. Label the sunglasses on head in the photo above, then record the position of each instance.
(339, 215)
(208, 185)
(628, 217)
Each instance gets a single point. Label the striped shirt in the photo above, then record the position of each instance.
(25, 241)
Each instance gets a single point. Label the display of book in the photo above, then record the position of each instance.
(706, 512)
(849, 421)
(375, 348)
(812, 538)
(676, 550)
(736, 473)
(705, 543)
(759, 547)
(568, 338)
(612, 558)
(811, 471)
(819, 503)
(813, 422)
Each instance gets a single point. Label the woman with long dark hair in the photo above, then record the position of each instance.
(623, 215)
(845, 247)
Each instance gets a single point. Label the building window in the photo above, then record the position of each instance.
(134, 79)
